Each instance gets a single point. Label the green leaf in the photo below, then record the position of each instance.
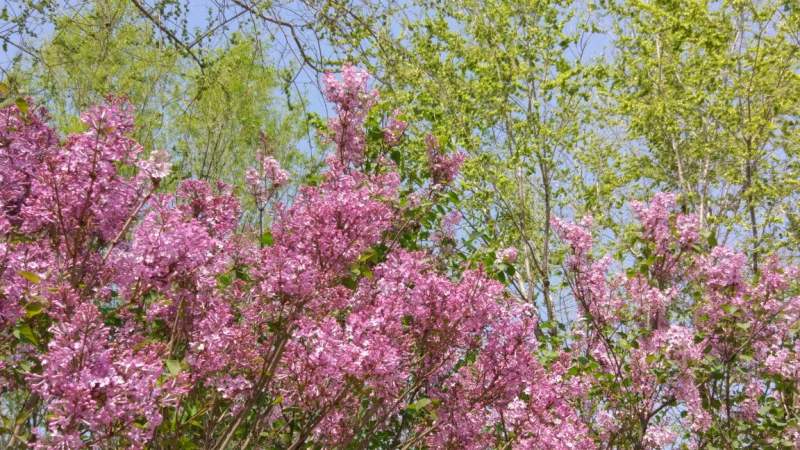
(712, 239)
(33, 309)
(419, 404)
(22, 104)
(30, 276)
(25, 333)
(174, 366)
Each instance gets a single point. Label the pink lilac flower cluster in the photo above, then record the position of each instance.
(394, 130)
(507, 255)
(133, 315)
(688, 227)
(157, 165)
(595, 293)
(449, 225)
(264, 180)
(664, 328)
(353, 101)
(578, 236)
(443, 167)
(654, 218)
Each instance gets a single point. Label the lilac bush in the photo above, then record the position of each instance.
(137, 317)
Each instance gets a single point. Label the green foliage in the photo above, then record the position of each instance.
(225, 111)
(708, 95)
(220, 114)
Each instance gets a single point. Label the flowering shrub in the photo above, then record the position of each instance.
(681, 350)
(137, 318)
(131, 317)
